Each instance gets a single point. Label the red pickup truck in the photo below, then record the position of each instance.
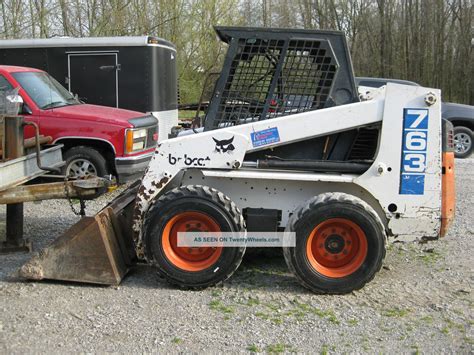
(97, 140)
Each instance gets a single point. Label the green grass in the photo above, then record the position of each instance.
(430, 257)
(253, 348)
(266, 316)
(177, 340)
(302, 309)
(427, 319)
(468, 340)
(217, 305)
(252, 301)
(216, 293)
(324, 350)
(279, 348)
(352, 322)
(453, 325)
(415, 349)
(395, 312)
(262, 315)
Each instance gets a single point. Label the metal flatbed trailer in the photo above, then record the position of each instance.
(21, 161)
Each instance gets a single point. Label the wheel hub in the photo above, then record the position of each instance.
(334, 244)
(81, 168)
(336, 247)
(462, 142)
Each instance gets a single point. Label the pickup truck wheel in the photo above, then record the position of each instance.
(84, 161)
(340, 243)
(192, 208)
(462, 142)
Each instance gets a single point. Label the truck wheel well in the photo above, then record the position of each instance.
(103, 147)
(460, 122)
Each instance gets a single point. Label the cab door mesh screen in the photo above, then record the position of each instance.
(272, 78)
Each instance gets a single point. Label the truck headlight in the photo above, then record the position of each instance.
(135, 140)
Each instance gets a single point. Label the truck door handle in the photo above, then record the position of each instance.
(109, 67)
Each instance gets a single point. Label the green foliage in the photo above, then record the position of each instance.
(217, 305)
(396, 312)
(177, 340)
(253, 348)
(279, 348)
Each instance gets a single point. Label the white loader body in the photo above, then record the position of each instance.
(403, 184)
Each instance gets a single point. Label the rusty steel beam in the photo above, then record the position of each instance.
(13, 137)
(13, 148)
(86, 189)
(31, 142)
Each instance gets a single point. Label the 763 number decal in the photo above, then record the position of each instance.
(414, 145)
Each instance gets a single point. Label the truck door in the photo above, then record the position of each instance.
(94, 77)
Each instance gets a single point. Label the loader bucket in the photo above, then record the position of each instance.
(91, 251)
(96, 249)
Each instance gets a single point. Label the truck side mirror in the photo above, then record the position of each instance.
(15, 99)
(14, 102)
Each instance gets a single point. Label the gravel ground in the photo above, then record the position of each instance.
(421, 301)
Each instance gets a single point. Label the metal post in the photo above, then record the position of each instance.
(13, 137)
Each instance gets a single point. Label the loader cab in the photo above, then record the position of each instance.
(270, 73)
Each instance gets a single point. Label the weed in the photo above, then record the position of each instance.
(262, 315)
(253, 348)
(395, 312)
(416, 351)
(271, 306)
(177, 340)
(279, 348)
(427, 319)
(450, 324)
(216, 293)
(324, 350)
(252, 302)
(468, 340)
(308, 309)
(277, 320)
(353, 322)
(430, 256)
(216, 305)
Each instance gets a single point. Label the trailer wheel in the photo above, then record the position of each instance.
(192, 208)
(340, 243)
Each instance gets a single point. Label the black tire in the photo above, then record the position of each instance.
(192, 199)
(87, 155)
(361, 222)
(462, 142)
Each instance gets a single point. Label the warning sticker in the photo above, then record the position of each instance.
(267, 136)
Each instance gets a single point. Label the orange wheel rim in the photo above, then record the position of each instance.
(336, 247)
(190, 258)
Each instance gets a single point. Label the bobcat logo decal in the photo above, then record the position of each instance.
(224, 146)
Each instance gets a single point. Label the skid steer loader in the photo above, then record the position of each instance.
(286, 144)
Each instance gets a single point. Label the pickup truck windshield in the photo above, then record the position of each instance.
(44, 90)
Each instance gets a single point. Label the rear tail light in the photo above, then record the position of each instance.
(450, 139)
(448, 136)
